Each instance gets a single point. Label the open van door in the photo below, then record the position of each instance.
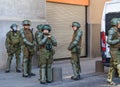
(111, 10)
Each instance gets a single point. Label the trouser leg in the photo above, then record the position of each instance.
(74, 70)
(49, 73)
(113, 66)
(17, 54)
(75, 66)
(25, 67)
(29, 66)
(25, 61)
(18, 64)
(49, 68)
(110, 75)
(8, 63)
(43, 74)
(118, 70)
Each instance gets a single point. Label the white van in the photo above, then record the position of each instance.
(111, 10)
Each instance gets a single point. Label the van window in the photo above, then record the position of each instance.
(108, 18)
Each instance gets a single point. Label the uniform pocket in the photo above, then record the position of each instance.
(44, 53)
(74, 50)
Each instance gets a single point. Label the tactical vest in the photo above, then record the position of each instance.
(37, 35)
(116, 35)
(48, 44)
(75, 35)
(14, 38)
(28, 35)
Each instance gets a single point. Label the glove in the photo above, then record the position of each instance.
(69, 48)
(119, 39)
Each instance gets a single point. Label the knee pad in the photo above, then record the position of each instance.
(43, 66)
(118, 66)
(49, 66)
(72, 62)
(25, 60)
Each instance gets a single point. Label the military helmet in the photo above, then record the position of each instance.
(114, 21)
(13, 25)
(46, 27)
(118, 20)
(26, 22)
(39, 27)
(77, 24)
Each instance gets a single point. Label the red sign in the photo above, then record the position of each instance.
(76, 2)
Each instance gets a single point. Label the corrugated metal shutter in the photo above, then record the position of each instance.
(60, 16)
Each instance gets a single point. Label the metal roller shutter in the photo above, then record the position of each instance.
(60, 17)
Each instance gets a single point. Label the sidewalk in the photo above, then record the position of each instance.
(14, 79)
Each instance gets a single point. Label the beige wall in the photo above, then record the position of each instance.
(61, 26)
(95, 11)
(13, 12)
(94, 16)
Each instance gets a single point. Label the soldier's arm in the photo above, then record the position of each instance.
(36, 35)
(42, 40)
(7, 41)
(34, 41)
(54, 41)
(76, 40)
(24, 39)
(110, 38)
(21, 41)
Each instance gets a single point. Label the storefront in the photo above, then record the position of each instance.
(60, 14)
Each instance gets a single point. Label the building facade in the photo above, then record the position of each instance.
(14, 11)
(59, 14)
(94, 15)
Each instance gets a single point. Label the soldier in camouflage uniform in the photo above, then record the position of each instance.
(114, 41)
(37, 35)
(27, 48)
(46, 43)
(13, 46)
(75, 48)
(39, 32)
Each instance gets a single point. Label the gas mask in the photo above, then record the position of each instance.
(14, 28)
(119, 30)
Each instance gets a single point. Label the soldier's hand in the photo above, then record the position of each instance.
(69, 48)
(49, 36)
(31, 45)
(34, 43)
(22, 47)
(119, 39)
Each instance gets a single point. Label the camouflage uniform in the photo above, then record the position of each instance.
(37, 36)
(46, 55)
(114, 42)
(27, 48)
(75, 48)
(13, 46)
(39, 32)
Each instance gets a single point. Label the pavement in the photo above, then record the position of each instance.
(88, 76)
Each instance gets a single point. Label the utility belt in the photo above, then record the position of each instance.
(47, 47)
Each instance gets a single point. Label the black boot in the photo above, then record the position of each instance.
(7, 71)
(75, 78)
(42, 82)
(25, 75)
(32, 74)
(19, 71)
(49, 81)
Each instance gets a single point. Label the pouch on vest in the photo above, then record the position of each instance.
(49, 46)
